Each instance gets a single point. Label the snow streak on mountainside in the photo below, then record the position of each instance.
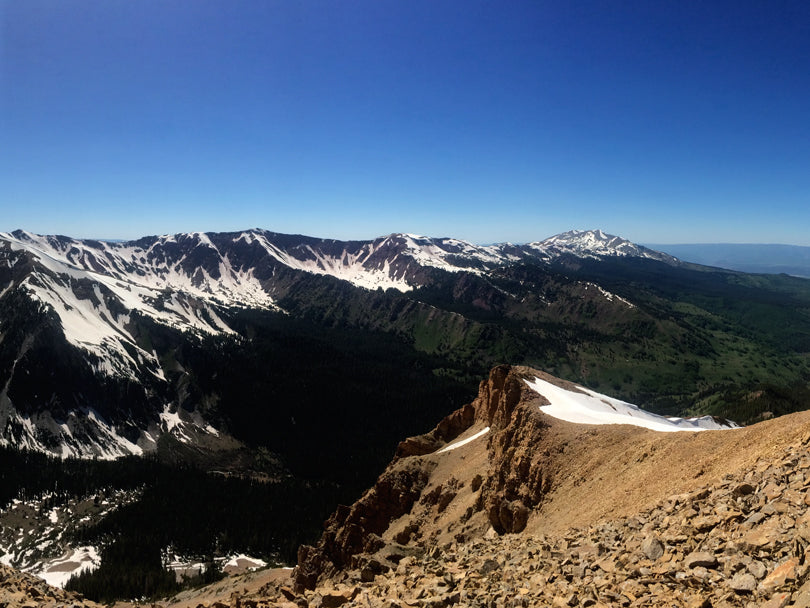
(84, 433)
(106, 298)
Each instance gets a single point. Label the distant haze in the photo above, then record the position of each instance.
(770, 259)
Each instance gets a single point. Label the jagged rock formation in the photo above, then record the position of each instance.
(19, 590)
(743, 541)
(685, 519)
(514, 509)
(359, 529)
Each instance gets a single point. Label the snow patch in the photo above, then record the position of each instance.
(243, 563)
(588, 407)
(57, 572)
(459, 443)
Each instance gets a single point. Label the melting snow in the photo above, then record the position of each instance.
(58, 571)
(244, 562)
(588, 407)
(458, 444)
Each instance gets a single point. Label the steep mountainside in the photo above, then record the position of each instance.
(188, 340)
(502, 504)
(503, 501)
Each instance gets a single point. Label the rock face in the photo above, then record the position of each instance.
(474, 521)
(518, 476)
(19, 590)
(513, 485)
(356, 529)
(502, 506)
(710, 547)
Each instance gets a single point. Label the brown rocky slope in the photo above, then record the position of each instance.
(540, 512)
(20, 590)
(575, 510)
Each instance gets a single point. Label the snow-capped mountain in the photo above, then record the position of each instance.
(107, 300)
(183, 280)
(595, 244)
(228, 268)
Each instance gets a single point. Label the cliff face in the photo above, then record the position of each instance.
(435, 490)
(499, 468)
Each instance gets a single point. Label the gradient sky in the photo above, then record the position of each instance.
(667, 122)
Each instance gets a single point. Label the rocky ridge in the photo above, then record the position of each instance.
(744, 541)
(690, 519)
(501, 505)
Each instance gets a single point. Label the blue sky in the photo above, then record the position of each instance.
(665, 122)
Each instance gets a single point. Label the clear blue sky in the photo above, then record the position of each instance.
(681, 121)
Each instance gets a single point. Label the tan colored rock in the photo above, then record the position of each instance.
(782, 575)
(595, 500)
(700, 558)
(779, 600)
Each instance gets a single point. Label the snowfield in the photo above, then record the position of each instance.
(57, 572)
(588, 407)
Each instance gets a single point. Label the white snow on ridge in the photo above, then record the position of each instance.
(163, 295)
(85, 434)
(126, 267)
(609, 296)
(347, 266)
(595, 243)
(458, 444)
(588, 407)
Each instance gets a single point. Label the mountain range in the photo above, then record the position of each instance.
(224, 391)
(110, 348)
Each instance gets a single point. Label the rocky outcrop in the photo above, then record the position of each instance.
(497, 398)
(524, 510)
(520, 472)
(447, 430)
(357, 529)
(479, 524)
(513, 481)
(19, 590)
(500, 394)
(743, 541)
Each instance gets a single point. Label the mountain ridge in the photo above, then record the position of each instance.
(140, 333)
(639, 514)
(104, 297)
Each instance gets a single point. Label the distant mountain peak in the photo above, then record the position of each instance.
(596, 243)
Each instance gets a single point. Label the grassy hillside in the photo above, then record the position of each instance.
(676, 340)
